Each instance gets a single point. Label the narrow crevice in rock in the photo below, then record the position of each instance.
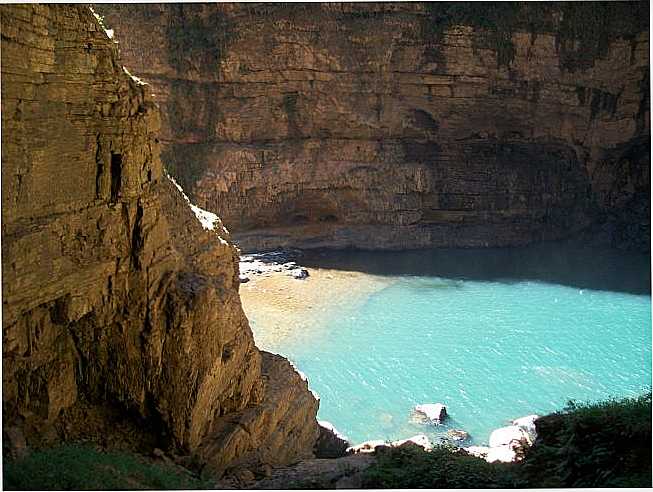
(116, 176)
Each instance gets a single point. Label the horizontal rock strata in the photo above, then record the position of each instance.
(396, 125)
(120, 308)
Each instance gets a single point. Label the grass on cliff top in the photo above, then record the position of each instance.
(605, 444)
(82, 467)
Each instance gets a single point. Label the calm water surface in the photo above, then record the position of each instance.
(493, 334)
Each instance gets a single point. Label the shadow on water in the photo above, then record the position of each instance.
(561, 262)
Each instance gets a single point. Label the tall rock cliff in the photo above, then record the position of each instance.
(396, 125)
(121, 316)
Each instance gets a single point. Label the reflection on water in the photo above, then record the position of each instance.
(566, 263)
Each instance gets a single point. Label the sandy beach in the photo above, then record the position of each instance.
(277, 304)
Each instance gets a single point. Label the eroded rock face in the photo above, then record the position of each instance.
(402, 125)
(118, 303)
(330, 443)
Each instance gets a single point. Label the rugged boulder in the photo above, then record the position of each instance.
(402, 125)
(121, 316)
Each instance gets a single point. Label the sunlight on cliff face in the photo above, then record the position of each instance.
(209, 220)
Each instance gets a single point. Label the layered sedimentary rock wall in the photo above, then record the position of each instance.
(121, 316)
(402, 125)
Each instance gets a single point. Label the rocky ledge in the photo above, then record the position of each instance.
(402, 125)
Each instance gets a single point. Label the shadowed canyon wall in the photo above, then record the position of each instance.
(122, 321)
(402, 125)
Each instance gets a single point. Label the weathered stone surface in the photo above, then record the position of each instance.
(338, 473)
(330, 443)
(15, 444)
(395, 125)
(121, 314)
(282, 429)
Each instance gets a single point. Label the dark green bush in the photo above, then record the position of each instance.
(605, 444)
(82, 467)
(441, 468)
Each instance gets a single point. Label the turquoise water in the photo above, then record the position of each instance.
(508, 334)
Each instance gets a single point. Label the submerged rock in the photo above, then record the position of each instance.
(434, 412)
(458, 435)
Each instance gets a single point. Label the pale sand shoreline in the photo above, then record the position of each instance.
(277, 304)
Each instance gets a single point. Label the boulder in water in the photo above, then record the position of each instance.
(243, 279)
(434, 412)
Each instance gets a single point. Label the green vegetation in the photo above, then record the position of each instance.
(441, 468)
(606, 444)
(82, 467)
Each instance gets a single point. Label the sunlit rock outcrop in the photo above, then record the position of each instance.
(121, 316)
